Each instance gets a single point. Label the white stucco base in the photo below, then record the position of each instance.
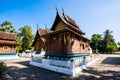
(53, 68)
(66, 67)
(11, 57)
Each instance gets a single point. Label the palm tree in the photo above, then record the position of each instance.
(108, 36)
(109, 44)
(7, 26)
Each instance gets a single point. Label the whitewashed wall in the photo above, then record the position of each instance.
(66, 67)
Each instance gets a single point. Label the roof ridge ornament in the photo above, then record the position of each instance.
(46, 28)
(65, 16)
(63, 10)
(37, 26)
(56, 9)
(63, 13)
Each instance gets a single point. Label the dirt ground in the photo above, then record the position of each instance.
(107, 68)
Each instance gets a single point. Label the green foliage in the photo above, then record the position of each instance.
(109, 43)
(71, 59)
(7, 26)
(26, 37)
(2, 67)
(95, 42)
(19, 42)
(110, 49)
(103, 44)
(84, 57)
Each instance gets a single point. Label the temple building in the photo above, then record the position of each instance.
(65, 47)
(7, 42)
(64, 37)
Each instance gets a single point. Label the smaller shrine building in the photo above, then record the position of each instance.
(7, 42)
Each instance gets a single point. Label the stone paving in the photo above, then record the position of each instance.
(107, 68)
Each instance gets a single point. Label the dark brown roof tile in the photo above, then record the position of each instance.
(7, 42)
(43, 31)
(7, 36)
(68, 21)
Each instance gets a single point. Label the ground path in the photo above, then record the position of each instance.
(107, 68)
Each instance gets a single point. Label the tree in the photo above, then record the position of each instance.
(109, 42)
(7, 26)
(110, 47)
(26, 37)
(103, 44)
(96, 42)
(19, 42)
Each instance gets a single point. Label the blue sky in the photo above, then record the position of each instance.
(93, 16)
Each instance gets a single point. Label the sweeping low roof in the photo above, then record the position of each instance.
(7, 36)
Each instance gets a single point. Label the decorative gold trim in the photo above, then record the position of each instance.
(64, 39)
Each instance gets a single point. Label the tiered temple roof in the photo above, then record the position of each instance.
(7, 38)
(40, 32)
(71, 24)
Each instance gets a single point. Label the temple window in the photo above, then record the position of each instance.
(5, 48)
(83, 46)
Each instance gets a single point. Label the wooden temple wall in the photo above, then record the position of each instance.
(1, 48)
(54, 44)
(39, 45)
(76, 46)
(79, 45)
(64, 44)
(7, 48)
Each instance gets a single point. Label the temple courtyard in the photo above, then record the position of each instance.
(107, 68)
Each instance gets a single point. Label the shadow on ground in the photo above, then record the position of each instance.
(33, 73)
(37, 73)
(112, 60)
(101, 75)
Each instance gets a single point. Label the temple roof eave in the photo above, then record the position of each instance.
(37, 33)
(8, 42)
(7, 36)
(63, 30)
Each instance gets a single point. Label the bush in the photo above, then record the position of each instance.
(71, 59)
(110, 49)
(84, 57)
(2, 67)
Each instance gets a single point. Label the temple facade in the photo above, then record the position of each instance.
(7, 42)
(64, 37)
